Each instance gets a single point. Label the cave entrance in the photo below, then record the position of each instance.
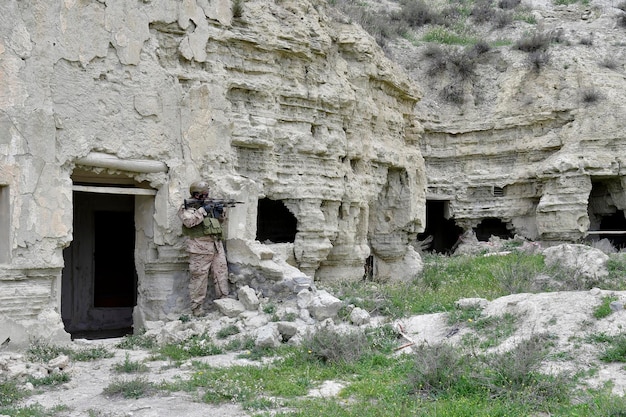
(606, 220)
(99, 280)
(492, 227)
(275, 223)
(441, 226)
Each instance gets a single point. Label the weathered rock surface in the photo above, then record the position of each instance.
(541, 151)
(101, 100)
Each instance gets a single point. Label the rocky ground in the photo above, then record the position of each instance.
(566, 316)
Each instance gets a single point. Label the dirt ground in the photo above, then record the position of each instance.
(83, 394)
(568, 316)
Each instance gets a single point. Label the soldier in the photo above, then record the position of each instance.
(204, 246)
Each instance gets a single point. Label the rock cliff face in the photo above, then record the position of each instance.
(535, 150)
(109, 109)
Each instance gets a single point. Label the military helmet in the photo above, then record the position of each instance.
(199, 187)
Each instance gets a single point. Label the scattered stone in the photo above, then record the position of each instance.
(287, 329)
(230, 307)
(268, 336)
(60, 362)
(321, 304)
(358, 316)
(247, 296)
(579, 259)
(468, 303)
(327, 389)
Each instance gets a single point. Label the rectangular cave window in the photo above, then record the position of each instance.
(5, 225)
(441, 230)
(498, 192)
(275, 223)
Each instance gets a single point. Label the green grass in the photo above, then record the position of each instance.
(43, 352)
(435, 381)
(443, 281)
(137, 342)
(130, 388)
(430, 380)
(10, 393)
(227, 331)
(604, 309)
(447, 37)
(50, 380)
(130, 367)
(613, 347)
(197, 345)
(35, 410)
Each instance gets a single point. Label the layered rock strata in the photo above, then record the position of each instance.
(138, 99)
(538, 147)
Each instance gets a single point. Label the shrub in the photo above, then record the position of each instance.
(437, 60)
(481, 47)
(483, 12)
(517, 373)
(227, 331)
(518, 274)
(129, 366)
(237, 8)
(417, 13)
(590, 96)
(329, 345)
(437, 370)
(587, 41)
(508, 4)
(534, 42)
(621, 20)
(92, 354)
(609, 62)
(132, 388)
(453, 93)
(463, 65)
(538, 59)
(451, 15)
(502, 20)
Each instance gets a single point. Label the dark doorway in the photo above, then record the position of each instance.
(492, 227)
(275, 223)
(99, 288)
(440, 226)
(114, 262)
(606, 220)
(614, 228)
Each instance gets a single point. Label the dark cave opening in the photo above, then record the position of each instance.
(275, 223)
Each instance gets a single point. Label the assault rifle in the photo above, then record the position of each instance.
(213, 203)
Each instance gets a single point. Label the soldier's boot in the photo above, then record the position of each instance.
(221, 287)
(197, 310)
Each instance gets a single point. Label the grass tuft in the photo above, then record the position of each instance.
(130, 388)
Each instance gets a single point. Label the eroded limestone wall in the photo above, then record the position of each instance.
(280, 102)
(524, 143)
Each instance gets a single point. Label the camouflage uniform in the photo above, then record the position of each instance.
(206, 255)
